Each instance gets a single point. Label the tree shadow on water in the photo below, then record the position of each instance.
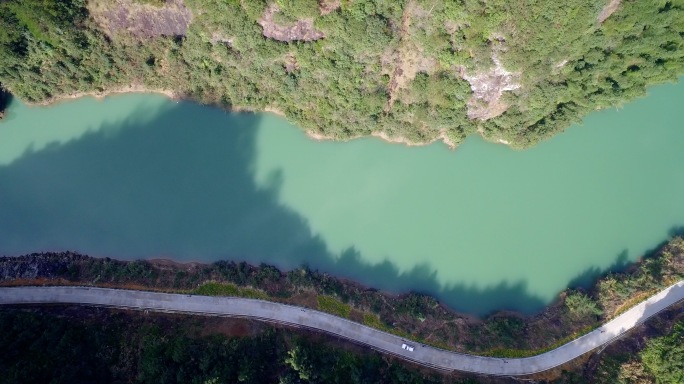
(423, 278)
(589, 276)
(181, 186)
(178, 186)
(676, 231)
(5, 101)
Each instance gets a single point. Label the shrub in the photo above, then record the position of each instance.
(581, 306)
(334, 306)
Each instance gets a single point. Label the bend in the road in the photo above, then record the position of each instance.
(379, 340)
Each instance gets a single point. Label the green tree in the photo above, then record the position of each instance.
(664, 356)
(581, 306)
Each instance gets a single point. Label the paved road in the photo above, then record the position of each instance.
(281, 313)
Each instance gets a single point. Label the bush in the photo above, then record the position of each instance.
(664, 357)
(581, 306)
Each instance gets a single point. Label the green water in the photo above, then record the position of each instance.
(483, 227)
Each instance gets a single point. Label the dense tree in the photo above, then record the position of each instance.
(580, 305)
(664, 357)
(44, 348)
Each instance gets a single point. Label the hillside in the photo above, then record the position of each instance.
(411, 71)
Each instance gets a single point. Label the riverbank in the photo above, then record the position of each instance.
(101, 94)
(389, 139)
(410, 315)
(138, 88)
(393, 78)
(443, 137)
(176, 95)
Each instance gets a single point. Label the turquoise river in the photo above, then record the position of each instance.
(483, 227)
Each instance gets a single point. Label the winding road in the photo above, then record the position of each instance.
(381, 341)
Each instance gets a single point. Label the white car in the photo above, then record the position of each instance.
(407, 347)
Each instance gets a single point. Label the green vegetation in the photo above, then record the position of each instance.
(38, 349)
(617, 292)
(653, 355)
(663, 357)
(97, 346)
(581, 305)
(332, 305)
(372, 320)
(396, 67)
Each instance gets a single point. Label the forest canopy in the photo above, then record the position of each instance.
(416, 70)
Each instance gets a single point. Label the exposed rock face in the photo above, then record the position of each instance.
(302, 30)
(142, 20)
(218, 37)
(488, 87)
(608, 10)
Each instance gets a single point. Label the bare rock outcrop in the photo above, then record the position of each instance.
(141, 20)
(608, 10)
(302, 30)
(488, 87)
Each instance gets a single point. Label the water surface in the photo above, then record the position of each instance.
(483, 227)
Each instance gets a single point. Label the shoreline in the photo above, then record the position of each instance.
(100, 95)
(386, 138)
(174, 95)
(402, 140)
(138, 88)
(267, 109)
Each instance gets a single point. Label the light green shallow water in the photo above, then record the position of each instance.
(483, 227)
